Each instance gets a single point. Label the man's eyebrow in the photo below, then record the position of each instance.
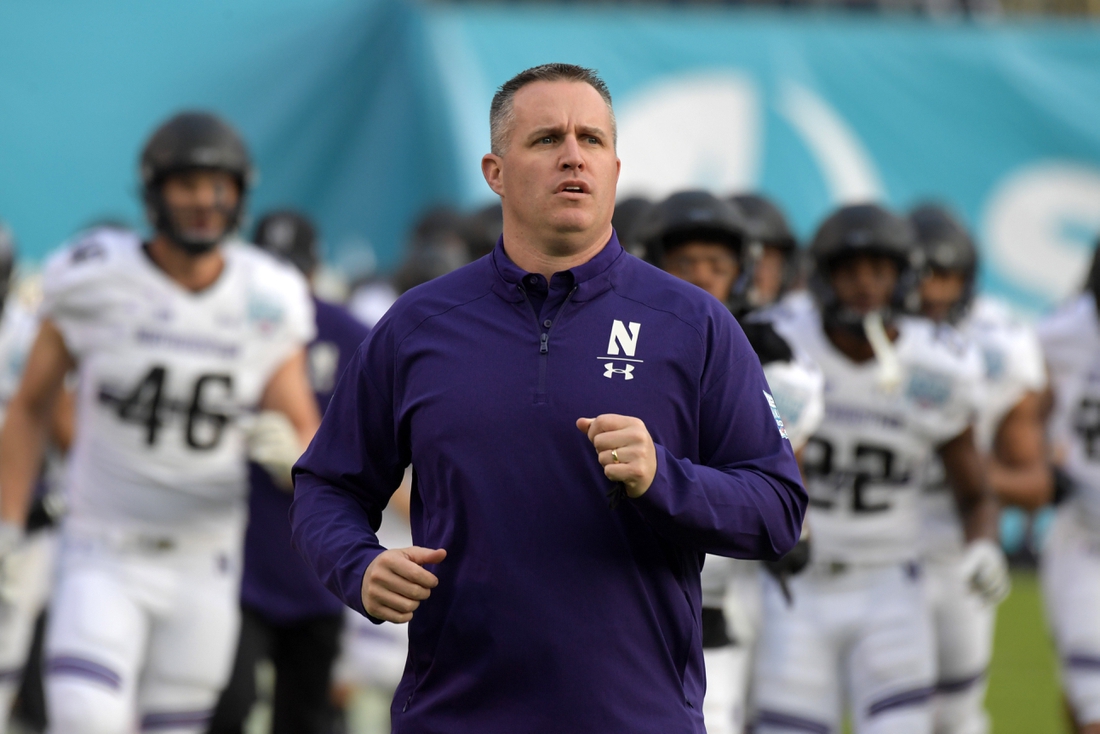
(592, 130)
(560, 129)
(548, 130)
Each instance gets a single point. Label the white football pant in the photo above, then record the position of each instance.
(142, 631)
(861, 636)
(1070, 574)
(963, 627)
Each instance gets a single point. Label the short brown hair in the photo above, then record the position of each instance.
(500, 111)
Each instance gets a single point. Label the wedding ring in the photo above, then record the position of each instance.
(615, 455)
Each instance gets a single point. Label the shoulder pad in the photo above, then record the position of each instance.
(768, 345)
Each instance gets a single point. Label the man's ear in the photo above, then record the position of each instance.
(492, 168)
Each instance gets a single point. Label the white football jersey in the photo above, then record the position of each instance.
(167, 377)
(1071, 343)
(865, 465)
(1013, 361)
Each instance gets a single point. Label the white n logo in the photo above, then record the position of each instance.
(621, 338)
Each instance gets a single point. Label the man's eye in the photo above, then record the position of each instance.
(593, 140)
(546, 140)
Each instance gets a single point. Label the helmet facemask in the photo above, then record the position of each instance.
(166, 220)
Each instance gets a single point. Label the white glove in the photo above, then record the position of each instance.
(11, 539)
(985, 569)
(273, 444)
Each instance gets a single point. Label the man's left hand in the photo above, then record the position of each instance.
(625, 450)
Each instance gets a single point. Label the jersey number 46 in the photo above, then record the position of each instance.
(147, 405)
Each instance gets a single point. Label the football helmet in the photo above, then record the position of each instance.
(862, 229)
(289, 236)
(7, 262)
(767, 227)
(946, 246)
(190, 141)
(699, 216)
(628, 221)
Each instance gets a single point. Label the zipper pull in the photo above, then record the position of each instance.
(544, 343)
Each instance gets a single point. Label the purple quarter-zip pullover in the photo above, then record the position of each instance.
(555, 613)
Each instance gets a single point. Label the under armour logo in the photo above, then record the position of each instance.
(610, 370)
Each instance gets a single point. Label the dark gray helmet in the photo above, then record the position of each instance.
(289, 236)
(861, 229)
(437, 245)
(1093, 283)
(7, 262)
(692, 215)
(700, 216)
(189, 141)
(628, 220)
(946, 245)
(767, 227)
(765, 221)
(482, 229)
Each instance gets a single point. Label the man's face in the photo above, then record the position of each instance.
(767, 275)
(710, 265)
(939, 291)
(200, 203)
(864, 283)
(557, 176)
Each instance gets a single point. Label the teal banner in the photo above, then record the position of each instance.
(364, 113)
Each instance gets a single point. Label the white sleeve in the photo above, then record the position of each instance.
(296, 326)
(798, 388)
(73, 296)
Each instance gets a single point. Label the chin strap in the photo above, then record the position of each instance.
(889, 366)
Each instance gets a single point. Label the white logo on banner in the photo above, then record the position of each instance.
(1040, 224)
(691, 131)
(848, 168)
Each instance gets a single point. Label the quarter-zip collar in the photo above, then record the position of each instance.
(590, 279)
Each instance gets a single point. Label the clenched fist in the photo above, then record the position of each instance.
(395, 582)
(625, 450)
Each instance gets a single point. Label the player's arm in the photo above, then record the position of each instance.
(977, 504)
(289, 393)
(63, 420)
(29, 418)
(984, 565)
(287, 421)
(1018, 470)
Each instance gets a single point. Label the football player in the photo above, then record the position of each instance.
(25, 575)
(1009, 430)
(1070, 561)
(287, 615)
(176, 342)
(856, 633)
(775, 262)
(712, 244)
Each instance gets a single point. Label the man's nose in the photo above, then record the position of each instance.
(571, 156)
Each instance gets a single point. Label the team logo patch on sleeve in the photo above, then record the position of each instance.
(775, 412)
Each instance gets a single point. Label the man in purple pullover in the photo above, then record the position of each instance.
(582, 428)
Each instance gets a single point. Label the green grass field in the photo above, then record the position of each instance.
(1024, 697)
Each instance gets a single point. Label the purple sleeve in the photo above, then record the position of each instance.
(344, 480)
(745, 498)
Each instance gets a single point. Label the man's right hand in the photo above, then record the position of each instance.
(396, 582)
